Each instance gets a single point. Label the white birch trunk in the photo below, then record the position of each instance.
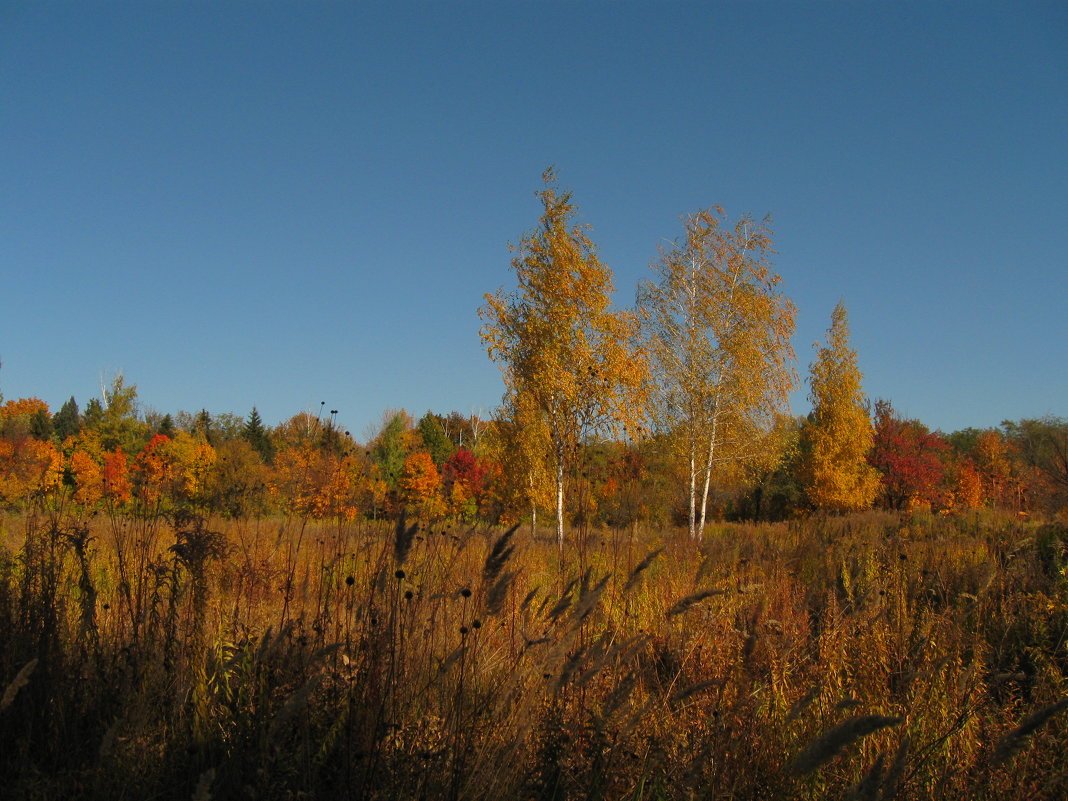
(559, 502)
(693, 491)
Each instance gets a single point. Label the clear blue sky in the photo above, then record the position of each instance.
(285, 203)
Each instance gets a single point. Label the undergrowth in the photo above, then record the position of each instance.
(869, 657)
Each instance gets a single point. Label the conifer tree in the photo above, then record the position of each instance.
(839, 435)
(255, 434)
(166, 426)
(41, 425)
(67, 422)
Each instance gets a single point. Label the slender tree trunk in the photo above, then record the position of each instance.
(693, 491)
(533, 506)
(559, 502)
(708, 467)
(704, 492)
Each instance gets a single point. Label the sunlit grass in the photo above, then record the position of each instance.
(880, 655)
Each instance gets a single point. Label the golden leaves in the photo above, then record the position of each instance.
(564, 352)
(837, 439)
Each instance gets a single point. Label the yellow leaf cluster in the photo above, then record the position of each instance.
(839, 435)
(565, 353)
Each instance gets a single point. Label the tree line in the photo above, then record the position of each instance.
(674, 412)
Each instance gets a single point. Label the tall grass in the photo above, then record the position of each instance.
(873, 656)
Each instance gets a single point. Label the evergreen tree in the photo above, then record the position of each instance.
(166, 426)
(67, 422)
(94, 415)
(205, 426)
(255, 434)
(41, 425)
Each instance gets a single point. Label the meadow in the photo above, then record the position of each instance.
(870, 656)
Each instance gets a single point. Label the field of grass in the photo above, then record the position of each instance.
(871, 657)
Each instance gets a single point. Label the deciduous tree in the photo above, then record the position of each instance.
(557, 339)
(838, 436)
(909, 459)
(437, 443)
(115, 420)
(420, 483)
(718, 332)
(1043, 446)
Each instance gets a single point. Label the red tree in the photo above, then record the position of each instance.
(910, 458)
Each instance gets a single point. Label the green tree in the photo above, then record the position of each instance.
(67, 422)
(559, 342)
(166, 426)
(389, 449)
(255, 434)
(41, 426)
(115, 419)
(718, 331)
(94, 415)
(838, 437)
(437, 443)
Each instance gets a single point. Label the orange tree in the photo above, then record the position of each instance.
(420, 485)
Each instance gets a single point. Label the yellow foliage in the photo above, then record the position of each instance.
(562, 348)
(22, 407)
(968, 492)
(315, 483)
(191, 459)
(718, 332)
(839, 435)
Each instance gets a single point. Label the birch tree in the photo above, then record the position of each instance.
(563, 350)
(717, 330)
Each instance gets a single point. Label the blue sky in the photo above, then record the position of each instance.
(285, 203)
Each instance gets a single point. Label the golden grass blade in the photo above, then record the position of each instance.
(1012, 742)
(834, 741)
(641, 567)
(22, 678)
(684, 604)
(499, 555)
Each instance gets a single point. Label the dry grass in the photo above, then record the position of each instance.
(872, 656)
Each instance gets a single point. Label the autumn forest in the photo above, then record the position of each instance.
(642, 577)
